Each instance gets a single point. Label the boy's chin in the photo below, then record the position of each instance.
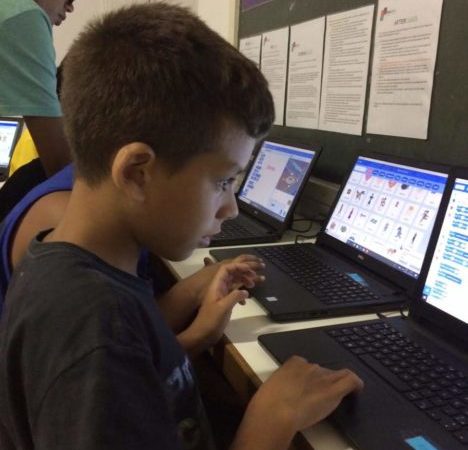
(178, 255)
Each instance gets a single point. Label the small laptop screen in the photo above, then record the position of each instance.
(8, 131)
(387, 211)
(275, 178)
(447, 280)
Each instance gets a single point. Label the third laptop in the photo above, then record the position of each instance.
(370, 251)
(269, 193)
(415, 368)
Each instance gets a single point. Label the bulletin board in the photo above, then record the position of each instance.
(447, 140)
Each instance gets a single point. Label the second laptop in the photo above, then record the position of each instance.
(370, 250)
(269, 193)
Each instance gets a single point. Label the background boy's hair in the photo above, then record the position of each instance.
(156, 74)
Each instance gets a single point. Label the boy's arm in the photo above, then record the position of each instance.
(180, 304)
(218, 299)
(295, 397)
(45, 213)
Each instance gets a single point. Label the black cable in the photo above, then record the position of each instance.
(402, 312)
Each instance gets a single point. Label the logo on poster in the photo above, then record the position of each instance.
(384, 12)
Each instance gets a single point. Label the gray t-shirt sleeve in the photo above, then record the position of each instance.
(28, 76)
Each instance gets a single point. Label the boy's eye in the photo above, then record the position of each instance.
(225, 184)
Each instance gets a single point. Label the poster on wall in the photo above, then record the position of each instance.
(274, 65)
(251, 48)
(305, 73)
(405, 48)
(345, 69)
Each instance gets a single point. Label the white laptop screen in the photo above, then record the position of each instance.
(275, 178)
(8, 131)
(447, 280)
(387, 211)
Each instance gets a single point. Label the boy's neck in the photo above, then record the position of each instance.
(93, 222)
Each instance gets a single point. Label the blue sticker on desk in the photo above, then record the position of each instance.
(358, 278)
(420, 443)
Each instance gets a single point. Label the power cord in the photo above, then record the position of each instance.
(318, 219)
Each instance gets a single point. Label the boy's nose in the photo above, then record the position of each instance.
(230, 209)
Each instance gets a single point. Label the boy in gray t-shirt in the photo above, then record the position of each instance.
(161, 114)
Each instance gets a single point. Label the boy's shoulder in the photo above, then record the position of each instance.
(74, 288)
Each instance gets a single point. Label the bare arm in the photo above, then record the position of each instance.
(180, 304)
(44, 214)
(50, 141)
(296, 396)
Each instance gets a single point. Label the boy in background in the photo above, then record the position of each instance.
(161, 115)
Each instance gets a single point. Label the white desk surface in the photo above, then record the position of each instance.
(247, 323)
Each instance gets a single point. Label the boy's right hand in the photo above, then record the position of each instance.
(298, 395)
(305, 392)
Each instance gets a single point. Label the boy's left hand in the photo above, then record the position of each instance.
(220, 297)
(180, 304)
(205, 275)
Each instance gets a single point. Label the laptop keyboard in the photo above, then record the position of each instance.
(436, 388)
(239, 228)
(326, 283)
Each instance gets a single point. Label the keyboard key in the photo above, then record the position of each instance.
(462, 436)
(387, 375)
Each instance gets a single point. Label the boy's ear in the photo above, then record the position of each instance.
(132, 169)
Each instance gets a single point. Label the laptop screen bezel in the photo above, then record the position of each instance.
(19, 122)
(422, 311)
(404, 281)
(264, 217)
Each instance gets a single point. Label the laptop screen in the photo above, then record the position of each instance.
(8, 133)
(387, 211)
(275, 178)
(447, 279)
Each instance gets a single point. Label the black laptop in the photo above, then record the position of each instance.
(415, 369)
(370, 250)
(268, 194)
(10, 130)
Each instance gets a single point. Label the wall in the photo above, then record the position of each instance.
(220, 15)
(447, 140)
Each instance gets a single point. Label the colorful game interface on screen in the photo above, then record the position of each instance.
(447, 280)
(387, 211)
(275, 178)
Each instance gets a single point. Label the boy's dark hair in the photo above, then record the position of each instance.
(156, 74)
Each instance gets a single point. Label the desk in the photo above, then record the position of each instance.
(246, 365)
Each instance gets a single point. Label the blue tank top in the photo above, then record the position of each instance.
(61, 181)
